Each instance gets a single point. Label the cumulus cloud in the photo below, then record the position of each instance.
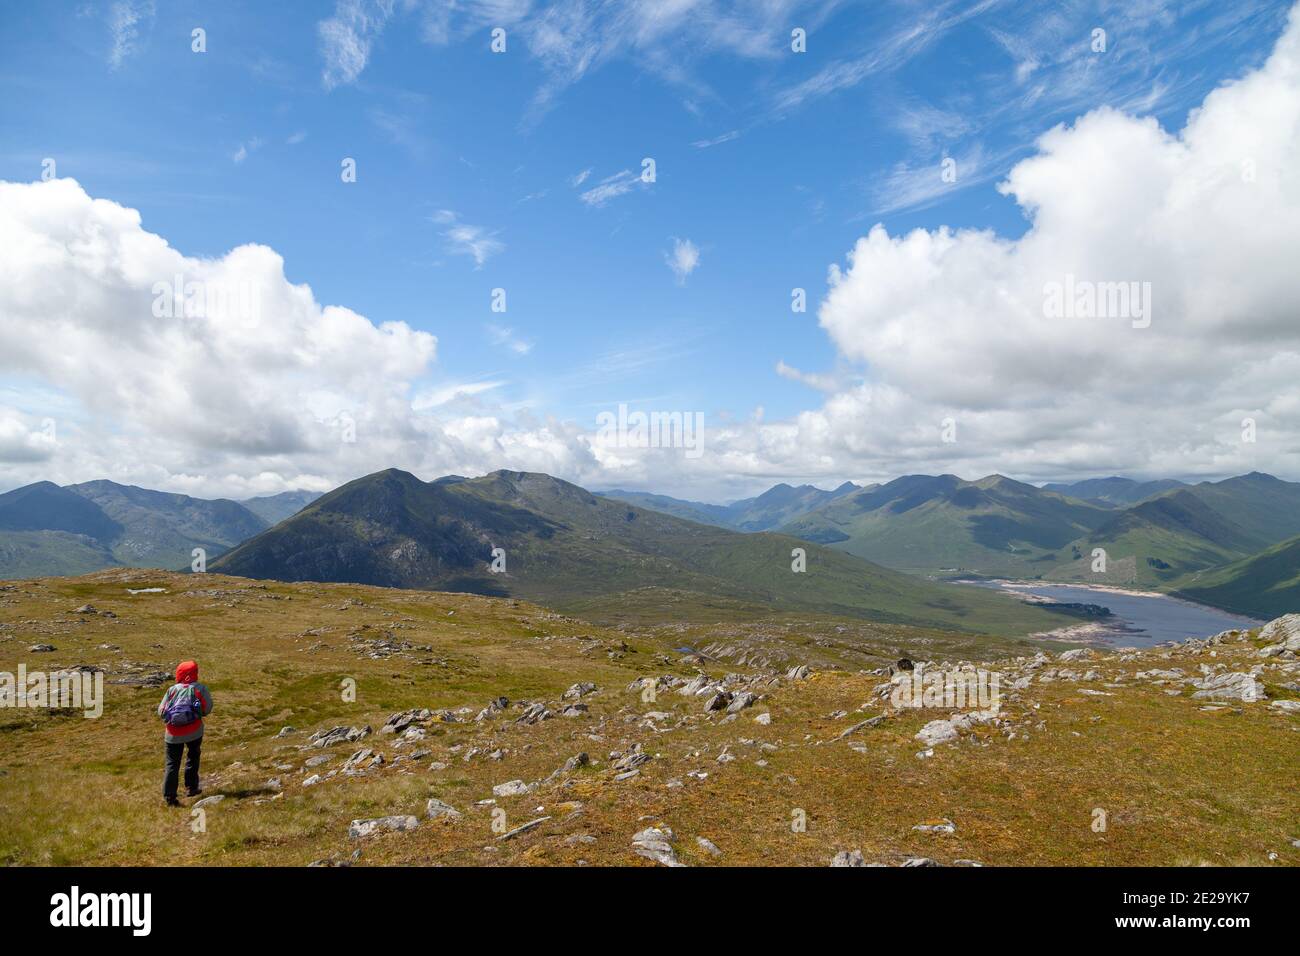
(211, 376)
(682, 259)
(953, 323)
(927, 325)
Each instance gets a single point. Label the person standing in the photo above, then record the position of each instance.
(183, 708)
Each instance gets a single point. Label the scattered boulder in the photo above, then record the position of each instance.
(363, 760)
(435, 809)
(338, 735)
(740, 701)
(1282, 634)
(708, 846)
(719, 701)
(941, 826)
(656, 843)
(1236, 685)
(578, 690)
(533, 714)
(849, 858)
(364, 828)
(530, 825)
(513, 788)
(494, 707)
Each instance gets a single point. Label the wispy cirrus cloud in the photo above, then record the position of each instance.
(346, 38)
(465, 239)
(125, 19)
(506, 338)
(717, 140)
(611, 187)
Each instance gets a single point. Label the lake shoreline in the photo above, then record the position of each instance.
(1136, 619)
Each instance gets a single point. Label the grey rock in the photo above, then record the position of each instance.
(718, 701)
(513, 788)
(742, 700)
(578, 690)
(708, 846)
(656, 843)
(364, 828)
(848, 858)
(530, 825)
(435, 809)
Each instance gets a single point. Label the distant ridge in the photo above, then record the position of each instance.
(584, 553)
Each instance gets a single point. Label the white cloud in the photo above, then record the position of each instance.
(953, 323)
(580, 178)
(683, 258)
(611, 187)
(125, 17)
(467, 240)
(446, 394)
(242, 153)
(507, 338)
(927, 325)
(347, 36)
(717, 140)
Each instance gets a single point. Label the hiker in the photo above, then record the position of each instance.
(183, 708)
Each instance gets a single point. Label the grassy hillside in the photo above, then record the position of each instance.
(1182, 781)
(1263, 585)
(571, 550)
(925, 523)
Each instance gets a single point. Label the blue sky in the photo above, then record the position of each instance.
(771, 163)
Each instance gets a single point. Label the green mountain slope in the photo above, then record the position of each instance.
(923, 522)
(44, 506)
(275, 508)
(29, 554)
(1161, 540)
(1264, 585)
(160, 529)
(576, 551)
(777, 506)
(1114, 491)
(48, 530)
(696, 511)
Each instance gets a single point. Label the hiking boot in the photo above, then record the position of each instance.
(193, 793)
(172, 802)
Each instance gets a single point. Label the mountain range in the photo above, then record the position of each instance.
(588, 554)
(1227, 543)
(46, 529)
(773, 508)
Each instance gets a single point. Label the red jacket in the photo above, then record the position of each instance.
(187, 673)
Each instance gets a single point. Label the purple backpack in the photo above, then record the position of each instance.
(183, 706)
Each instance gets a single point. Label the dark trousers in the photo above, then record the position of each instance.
(174, 767)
